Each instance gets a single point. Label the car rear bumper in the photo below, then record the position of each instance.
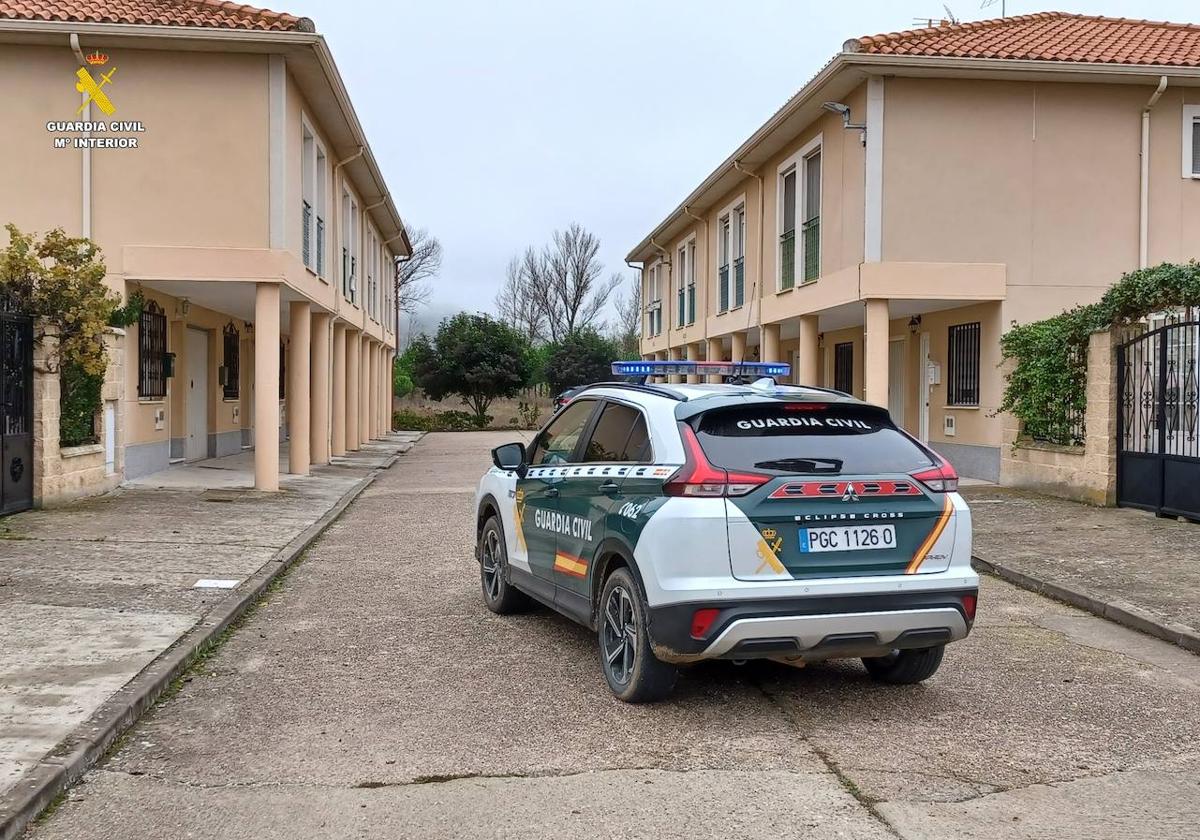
(812, 628)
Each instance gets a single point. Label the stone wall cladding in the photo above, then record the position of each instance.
(63, 474)
(1085, 473)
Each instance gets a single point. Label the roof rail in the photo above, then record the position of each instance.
(647, 389)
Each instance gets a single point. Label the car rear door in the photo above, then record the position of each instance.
(841, 496)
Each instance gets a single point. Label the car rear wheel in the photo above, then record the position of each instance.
(500, 596)
(633, 672)
(905, 667)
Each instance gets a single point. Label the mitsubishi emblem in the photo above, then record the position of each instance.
(850, 495)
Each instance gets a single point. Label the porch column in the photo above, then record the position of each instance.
(266, 386)
(337, 413)
(374, 392)
(353, 383)
(809, 353)
(738, 347)
(299, 403)
(319, 438)
(693, 355)
(716, 353)
(391, 392)
(770, 343)
(676, 355)
(364, 391)
(875, 352)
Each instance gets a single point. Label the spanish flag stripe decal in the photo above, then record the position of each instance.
(570, 565)
(931, 540)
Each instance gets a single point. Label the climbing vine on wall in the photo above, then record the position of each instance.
(1047, 387)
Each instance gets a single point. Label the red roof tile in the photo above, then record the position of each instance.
(213, 14)
(1047, 36)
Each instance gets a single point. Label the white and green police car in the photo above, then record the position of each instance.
(690, 522)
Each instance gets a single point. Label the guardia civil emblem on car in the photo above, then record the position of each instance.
(736, 521)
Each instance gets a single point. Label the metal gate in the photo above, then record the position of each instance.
(1158, 439)
(16, 410)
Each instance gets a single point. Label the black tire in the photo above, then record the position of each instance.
(634, 674)
(905, 667)
(500, 596)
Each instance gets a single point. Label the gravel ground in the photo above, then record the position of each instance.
(373, 695)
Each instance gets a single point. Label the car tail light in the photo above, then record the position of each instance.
(968, 602)
(940, 479)
(702, 620)
(697, 477)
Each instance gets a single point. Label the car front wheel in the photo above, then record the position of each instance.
(500, 596)
(634, 674)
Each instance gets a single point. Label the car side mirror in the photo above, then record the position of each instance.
(510, 457)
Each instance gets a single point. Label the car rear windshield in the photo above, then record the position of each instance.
(808, 439)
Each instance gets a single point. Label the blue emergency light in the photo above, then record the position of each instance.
(750, 370)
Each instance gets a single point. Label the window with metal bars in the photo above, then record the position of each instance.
(691, 282)
(723, 263)
(843, 367)
(963, 381)
(152, 352)
(282, 370)
(230, 361)
(306, 218)
(811, 227)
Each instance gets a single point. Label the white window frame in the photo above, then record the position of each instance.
(321, 212)
(654, 299)
(798, 163)
(727, 212)
(1191, 116)
(308, 192)
(352, 242)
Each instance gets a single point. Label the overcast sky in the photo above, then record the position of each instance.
(497, 121)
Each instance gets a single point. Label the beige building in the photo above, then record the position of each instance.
(232, 185)
(925, 190)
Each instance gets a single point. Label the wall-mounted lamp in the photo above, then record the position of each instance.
(185, 306)
(914, 324)
(844, 110)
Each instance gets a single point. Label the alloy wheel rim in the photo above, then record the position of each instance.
(491, 566)
(620, 636)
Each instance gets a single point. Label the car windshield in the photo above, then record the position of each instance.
(808, 438)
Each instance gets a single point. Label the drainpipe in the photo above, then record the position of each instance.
(761, 247)
(86, 183)
(1144, 214)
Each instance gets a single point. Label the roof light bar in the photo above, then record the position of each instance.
(747, 369)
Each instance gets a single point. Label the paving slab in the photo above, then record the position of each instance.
(92, 592)
(1124, 564)
(373, 695)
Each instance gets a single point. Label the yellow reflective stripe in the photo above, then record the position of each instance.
(927, 545)
(569, 565)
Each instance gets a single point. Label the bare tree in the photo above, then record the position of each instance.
(565, 281)
(516, 303)
(628, 327)
(412, 290)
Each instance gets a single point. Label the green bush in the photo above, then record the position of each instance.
(581, 358)
(440, 421)
(79, 401)
(1047, 387)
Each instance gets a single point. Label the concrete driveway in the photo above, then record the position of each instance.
(373, 696)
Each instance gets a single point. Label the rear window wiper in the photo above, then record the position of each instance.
(803, 465)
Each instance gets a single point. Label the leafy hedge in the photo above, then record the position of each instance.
(441, 421)
(79, 401)
(1047, 388)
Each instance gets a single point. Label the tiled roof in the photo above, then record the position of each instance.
(213, 14)
(1047, 36)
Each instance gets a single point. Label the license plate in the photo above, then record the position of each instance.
(847, 538)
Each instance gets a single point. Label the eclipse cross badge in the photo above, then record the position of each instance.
(850, 495)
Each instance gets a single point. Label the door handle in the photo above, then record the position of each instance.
(551, 492)
(609, 487)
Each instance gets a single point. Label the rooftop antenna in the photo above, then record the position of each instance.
(949, 14)
(989, 3)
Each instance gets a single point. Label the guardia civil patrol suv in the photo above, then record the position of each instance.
(735, 521)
